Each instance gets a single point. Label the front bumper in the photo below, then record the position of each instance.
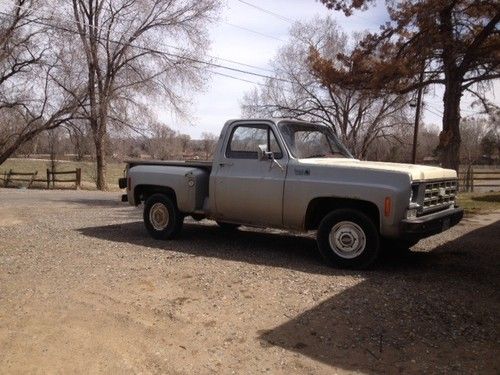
(428, 225)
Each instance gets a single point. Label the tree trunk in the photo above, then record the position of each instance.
(100, 148)
(100, 157)
(8, 152)
(449, 139)
(20, 141)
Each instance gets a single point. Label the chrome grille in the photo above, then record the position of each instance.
(439, 195)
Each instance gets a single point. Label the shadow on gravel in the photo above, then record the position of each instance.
(431, 312)
(256, 247)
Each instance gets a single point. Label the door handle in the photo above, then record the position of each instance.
(225, 164)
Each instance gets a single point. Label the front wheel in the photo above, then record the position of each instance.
(348, 239)
(162, 217)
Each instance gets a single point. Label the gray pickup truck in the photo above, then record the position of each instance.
(296, 175)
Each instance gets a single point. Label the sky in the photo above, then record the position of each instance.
(254, 36)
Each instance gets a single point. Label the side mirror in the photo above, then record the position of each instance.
(263, 154)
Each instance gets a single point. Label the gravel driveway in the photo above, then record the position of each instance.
(84, 289)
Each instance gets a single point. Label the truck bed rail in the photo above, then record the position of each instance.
(205, 164)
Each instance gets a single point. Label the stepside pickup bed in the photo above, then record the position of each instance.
(297, 175)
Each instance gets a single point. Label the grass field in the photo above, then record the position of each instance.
(475, 203)
(114, 171)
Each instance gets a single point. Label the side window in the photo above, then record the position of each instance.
(245, 141)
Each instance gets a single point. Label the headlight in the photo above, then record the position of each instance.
(411, 213)
(414, 192)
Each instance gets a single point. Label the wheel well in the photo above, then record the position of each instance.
(318, 208)
(143, 192)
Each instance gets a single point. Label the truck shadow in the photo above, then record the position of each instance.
(256, 247)
(250, 245)
(385, 324)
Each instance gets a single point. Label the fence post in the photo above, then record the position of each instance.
(78, 178)
(8, 178)
(48, 178)
(471, 179)
(467, 179)
(32, 179)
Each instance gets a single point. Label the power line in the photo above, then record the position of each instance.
(254, 32)
(165, 53)
(236, 78)
(434, 108)
(279, 16)
(434, 113)
(283, 18)
(161, 44)
(156, 51)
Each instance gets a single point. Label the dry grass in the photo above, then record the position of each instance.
(114, 171)
(477, 203)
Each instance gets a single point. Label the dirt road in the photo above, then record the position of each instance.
(83, 289)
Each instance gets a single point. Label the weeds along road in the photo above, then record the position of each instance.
(84, 289)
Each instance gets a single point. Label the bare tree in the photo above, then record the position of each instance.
(208, 143)
(32, 99)
(126, 68)
(184, 141)
(163, 143)
(473, 130)
(80, 139)
(358, 118)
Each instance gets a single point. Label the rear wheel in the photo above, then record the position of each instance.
(162, 217)
(348, 238)
(227, 226)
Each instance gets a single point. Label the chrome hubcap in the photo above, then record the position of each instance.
(158, 216)
(347, 239)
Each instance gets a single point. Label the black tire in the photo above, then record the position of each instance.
(163, 227)
(355, 232)
(229, 227)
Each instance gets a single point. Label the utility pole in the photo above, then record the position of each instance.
(417, 118)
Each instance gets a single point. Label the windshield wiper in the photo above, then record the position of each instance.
(316, 156)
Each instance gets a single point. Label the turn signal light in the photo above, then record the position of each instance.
(387, 206)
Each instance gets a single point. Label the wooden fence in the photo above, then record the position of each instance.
(51, 177)
(12, 178)
(479, 178)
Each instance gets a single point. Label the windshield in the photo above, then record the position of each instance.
(312, 141)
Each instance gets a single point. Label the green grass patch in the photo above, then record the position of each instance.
(477, 203)
(114, 171)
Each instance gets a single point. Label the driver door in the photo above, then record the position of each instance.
(249, 190)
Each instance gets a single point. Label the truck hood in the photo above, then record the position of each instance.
(416, 172)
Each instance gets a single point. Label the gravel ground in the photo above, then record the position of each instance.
(84, 289)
